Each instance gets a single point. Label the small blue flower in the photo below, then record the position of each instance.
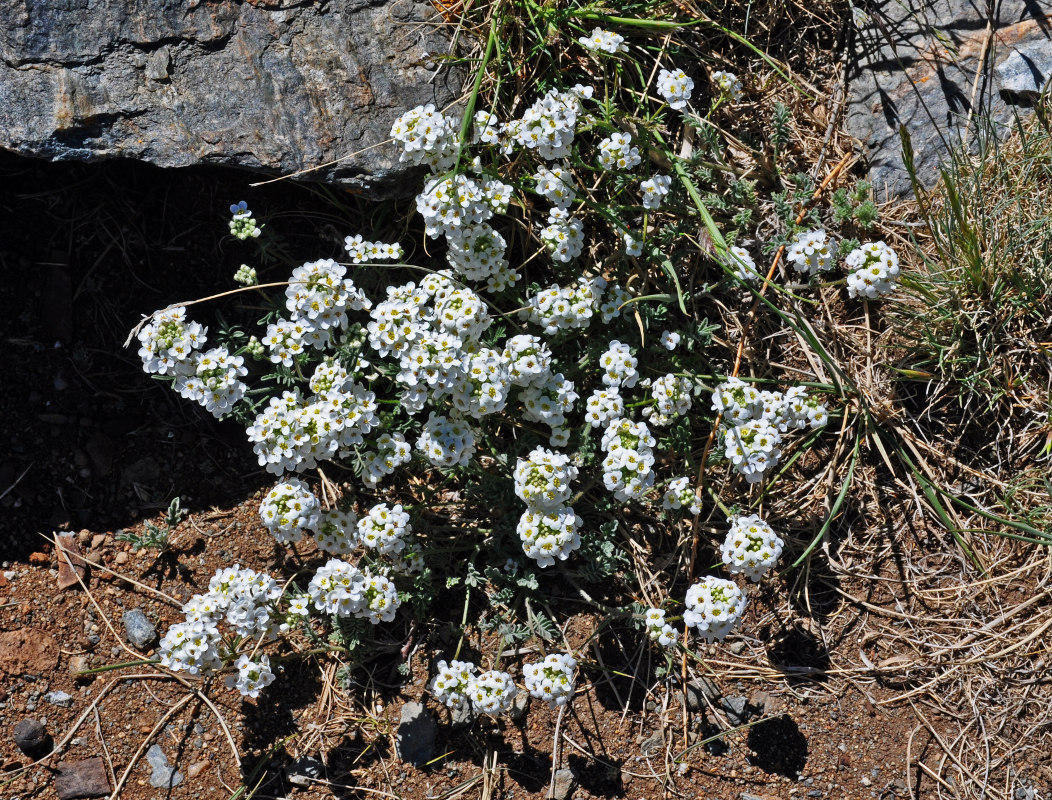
(239, 208)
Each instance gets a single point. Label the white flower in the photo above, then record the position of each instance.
(252, 676)
(446, 442)
(491, 692)
(361, 251)
(336, 532)
(619, 366)
(551, 680)
(811, 253)
(876, 271)
(658, 630)
(384, 529)
(549, 534)
(744, 266)
(727, 85)
(451, 684)
(289, 509)
(675, 87)
(168, 340)
(713, 606)
(680, 494)
(751, 547)
(616, 152)
(604, 41)
(542, 480)
(670, 340)
(655, 190)
(672, 399)
(427, 137)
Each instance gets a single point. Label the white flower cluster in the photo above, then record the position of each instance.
(549, 403)
(427, 137)
(296, 433)
(619, 366)
(655, 190)
(876, 271)
(605, 42)
(446, 442)
(491, 692)
(657, 629)
(628, 466)
(604, 406)
(751, 547)
(319, 297)
(211, 379)
(384, 529)
(252, 676)
(727, 85)
(362, 251)
(459, 685)
(713, 606)
(542, 479)
(675, 87)
(556, 185)
(479, 254)
(529, 359)
(344, 590)
(810, 253)
(168, 340)
(743, 265)
(242, 599)
(451, 685)
(548, 534)
(551, 680)
(616, 152)
(549, 125)
(566, 308)
(392, 450)
(289, 509)
(242, 226)
(336, 531)
(563, 235)
(246, 276)
(680, 494)
(672, 399)
(754, 421)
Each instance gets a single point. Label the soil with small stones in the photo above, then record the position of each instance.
(91, 446)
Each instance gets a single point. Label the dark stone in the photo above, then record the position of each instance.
(139, 630)
(736, 708)
(32, 738)
(85, 778)
(272, 87)
(415, 740)
(901, 73)
(305, 771)
(700, 690)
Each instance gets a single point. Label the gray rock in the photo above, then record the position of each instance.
(32, 738)
(700, 690)
(462, 715)
(736, 709)
(305, 771)
(164, 776)
(139, 631)
(737, 647)
(519, 705)
(1026, 72)
(263, 86)
(901, 73)
(85, 778)
(62, 699)
(653, 746)
(415, 739)
(563, 785)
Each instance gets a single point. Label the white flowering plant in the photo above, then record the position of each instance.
(520, 385)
